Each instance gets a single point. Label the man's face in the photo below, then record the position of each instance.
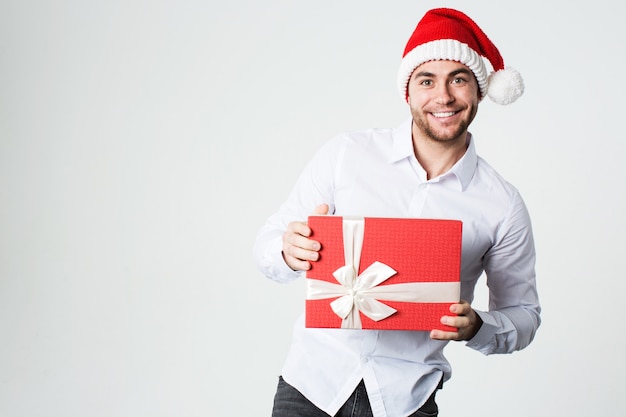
(443, 96)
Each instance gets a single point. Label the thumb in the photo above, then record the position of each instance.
(322, 209)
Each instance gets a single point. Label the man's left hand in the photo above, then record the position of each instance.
(466, 321)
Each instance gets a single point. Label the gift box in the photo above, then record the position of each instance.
(383, 273)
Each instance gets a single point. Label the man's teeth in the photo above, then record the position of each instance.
(444, 114)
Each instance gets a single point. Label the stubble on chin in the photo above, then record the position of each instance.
(447, 137)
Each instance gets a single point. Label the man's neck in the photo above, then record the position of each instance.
(437, 157)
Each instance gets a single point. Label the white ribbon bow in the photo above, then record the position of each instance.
(361, 293)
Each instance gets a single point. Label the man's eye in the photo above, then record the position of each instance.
(427, 82)
(458, 80)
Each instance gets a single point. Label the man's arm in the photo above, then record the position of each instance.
(514, 310)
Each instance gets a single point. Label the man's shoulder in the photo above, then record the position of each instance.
(373, 136)
(364, 139)
(368, 133)
(486, 174)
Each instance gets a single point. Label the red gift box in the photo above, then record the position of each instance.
(408, 273)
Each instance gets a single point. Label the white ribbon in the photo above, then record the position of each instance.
(361, 293)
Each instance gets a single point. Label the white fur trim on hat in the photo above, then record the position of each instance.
(443, 49)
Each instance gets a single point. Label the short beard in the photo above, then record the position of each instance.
(424, 127)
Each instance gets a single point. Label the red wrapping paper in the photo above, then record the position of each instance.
(419, 250)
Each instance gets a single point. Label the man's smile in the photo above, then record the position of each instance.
(443, 114)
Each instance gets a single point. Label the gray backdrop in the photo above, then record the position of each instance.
(143, 143)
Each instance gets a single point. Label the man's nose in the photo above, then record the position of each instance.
(443, 94)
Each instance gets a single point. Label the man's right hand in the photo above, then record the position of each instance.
(298, 250)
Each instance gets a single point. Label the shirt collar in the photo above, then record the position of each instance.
(402, 142)
(402, 148)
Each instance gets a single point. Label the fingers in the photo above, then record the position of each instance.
(298, 249)
(321, 210)
(452, 321)
(466, 321)
(441, 335)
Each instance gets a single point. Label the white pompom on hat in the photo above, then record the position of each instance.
(451, 35)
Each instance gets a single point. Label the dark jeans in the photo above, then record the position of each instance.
(289, 402)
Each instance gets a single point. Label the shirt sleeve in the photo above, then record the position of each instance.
(514, 310)
(313, 187)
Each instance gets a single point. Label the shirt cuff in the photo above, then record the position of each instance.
(486, 334)
(275, 266)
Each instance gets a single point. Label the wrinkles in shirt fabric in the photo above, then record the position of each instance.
(375, 173)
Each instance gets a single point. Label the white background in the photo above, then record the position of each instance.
(143, 143)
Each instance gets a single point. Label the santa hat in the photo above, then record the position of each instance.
(451, 35)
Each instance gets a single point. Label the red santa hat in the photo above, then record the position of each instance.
(451, 35)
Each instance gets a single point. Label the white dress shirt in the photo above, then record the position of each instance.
(374, 173)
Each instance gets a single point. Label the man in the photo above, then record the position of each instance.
(427, 168)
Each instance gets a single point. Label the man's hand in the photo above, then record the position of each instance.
(298, 250)
(466, 321)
